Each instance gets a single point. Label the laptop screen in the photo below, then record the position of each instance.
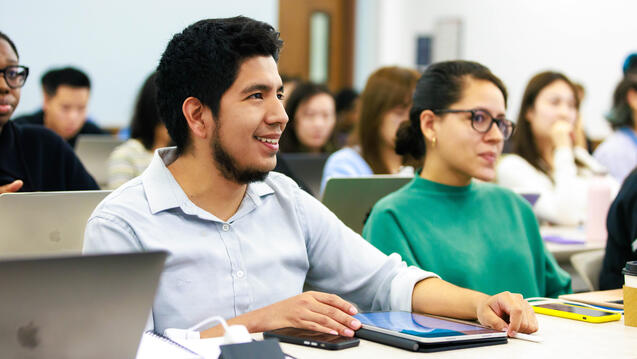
(419, 325)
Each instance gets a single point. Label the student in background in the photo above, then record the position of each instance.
(384, 105)
(474, 234)
(547, 157)
(621, 245)
(66, 93)
(148, 133)
(32, 158)
(621, 223)
(289, 84)
(312, 115)
(618, 152)
(243, 241)
(630, 64)
(347, 109)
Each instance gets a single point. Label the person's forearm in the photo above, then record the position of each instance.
(435, 296)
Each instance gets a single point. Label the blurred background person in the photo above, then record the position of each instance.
(548, 156)
(347, 108)
(289, 84)
(312, 115)
(384, 106)
(148, 133)
(630, 64)
(621, 224)
(66, 93)
(32, 158)
(618, 152)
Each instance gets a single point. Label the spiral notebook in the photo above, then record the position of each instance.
(154, 346)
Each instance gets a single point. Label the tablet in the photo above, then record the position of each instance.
(419, 332)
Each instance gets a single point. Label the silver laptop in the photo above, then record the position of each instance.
(352, 198)
(37, 223)
(93, 151)
(77, 307)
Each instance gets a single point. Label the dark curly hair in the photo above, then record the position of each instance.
(203, 62)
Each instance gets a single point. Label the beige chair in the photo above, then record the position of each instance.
(588, 265)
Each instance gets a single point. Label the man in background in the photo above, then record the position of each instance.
(32, 158)
(66, 94)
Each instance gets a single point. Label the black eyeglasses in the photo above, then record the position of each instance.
(15, 76)
(482, 121)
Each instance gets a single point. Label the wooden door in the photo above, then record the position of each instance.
(298, 24)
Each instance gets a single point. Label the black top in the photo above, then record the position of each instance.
(41, 159)
(38, 119)
(622, 235)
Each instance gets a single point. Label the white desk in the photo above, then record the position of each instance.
(563, 338)
(563, 252)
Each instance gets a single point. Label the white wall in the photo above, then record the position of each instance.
(587, 40)
(118, 43)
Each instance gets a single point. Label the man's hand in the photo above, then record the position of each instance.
(322, 312)
(11, 187)
(507, 311)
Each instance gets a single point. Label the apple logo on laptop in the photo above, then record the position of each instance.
(28, 336)
(55, 236)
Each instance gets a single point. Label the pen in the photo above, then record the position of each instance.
(531, 338)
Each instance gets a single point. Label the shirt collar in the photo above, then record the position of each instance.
(163, 192)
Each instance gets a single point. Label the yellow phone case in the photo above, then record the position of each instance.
(576, 316)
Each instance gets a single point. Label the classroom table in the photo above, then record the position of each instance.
(563, 338)
(563, 252)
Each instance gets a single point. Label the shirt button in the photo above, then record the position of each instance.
(225, 227)
(240, 274)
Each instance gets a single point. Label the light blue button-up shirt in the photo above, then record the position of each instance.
(279, 239)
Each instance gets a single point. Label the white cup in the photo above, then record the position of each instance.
(630, 274)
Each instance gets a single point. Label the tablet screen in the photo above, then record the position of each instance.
(420, 325)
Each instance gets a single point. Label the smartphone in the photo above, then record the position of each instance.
(576, 312)
(311, 338)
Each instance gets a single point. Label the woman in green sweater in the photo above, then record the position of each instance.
(473, 234)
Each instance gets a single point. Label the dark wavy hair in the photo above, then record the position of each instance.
(621, 115)
(440, 86)
(302, 93)
(145, 116)
(69, 76)
(523, 140)
(203, 62)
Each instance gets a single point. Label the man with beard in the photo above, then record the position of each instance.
(242, 241)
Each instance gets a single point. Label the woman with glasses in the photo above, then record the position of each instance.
(447, 219)
(32, 158)
(547, 156)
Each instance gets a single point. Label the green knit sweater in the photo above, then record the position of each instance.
(480, 236)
